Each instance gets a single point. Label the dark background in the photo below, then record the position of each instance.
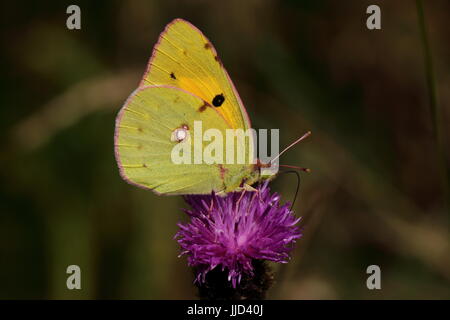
(376, 194)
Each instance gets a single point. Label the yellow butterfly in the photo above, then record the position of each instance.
(185, 82)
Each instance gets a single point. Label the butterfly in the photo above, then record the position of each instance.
(185, 82)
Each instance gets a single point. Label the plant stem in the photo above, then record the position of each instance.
(434, 106)
(218, 287)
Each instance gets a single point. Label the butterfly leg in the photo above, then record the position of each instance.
(211, 206)
(240, 198)
(248, 187)
(221, 193)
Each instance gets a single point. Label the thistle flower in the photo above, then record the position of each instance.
(234, 231)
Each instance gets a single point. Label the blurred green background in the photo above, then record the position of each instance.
(375, 194)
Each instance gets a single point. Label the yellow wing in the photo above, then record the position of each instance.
(146, 135)
(184, 58)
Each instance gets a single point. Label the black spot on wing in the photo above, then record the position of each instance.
(218, 60)
(204, 106)
(218, 100)
(172, 75)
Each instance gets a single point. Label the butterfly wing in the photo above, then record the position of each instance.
(144, 140)
(185, 82)
(185, 58)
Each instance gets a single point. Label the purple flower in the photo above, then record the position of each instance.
(233, 230)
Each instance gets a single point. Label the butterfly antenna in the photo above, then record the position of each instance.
(298, 185)
(306, 135)
(295, 167)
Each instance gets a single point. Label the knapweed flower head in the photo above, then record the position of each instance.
(231, 231)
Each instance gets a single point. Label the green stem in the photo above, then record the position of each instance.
(434, 107)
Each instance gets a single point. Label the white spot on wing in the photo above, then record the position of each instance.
(179, 134)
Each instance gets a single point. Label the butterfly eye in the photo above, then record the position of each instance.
(218, 100)
(180, 134)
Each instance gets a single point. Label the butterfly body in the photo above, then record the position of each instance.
(185, 84)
